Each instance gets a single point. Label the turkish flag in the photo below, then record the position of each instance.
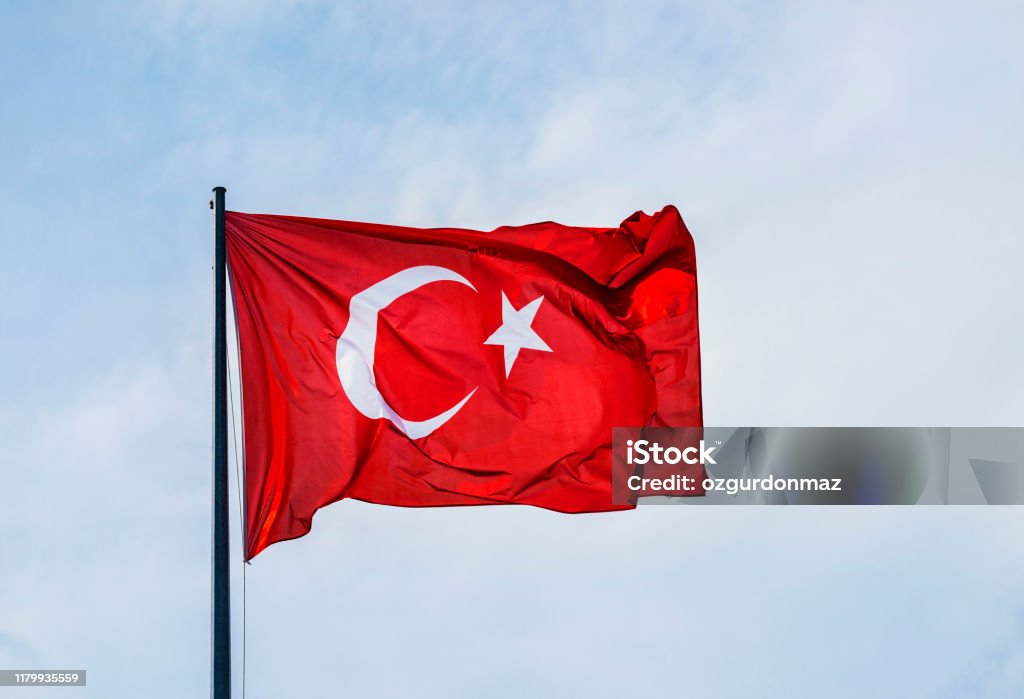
(428, 367)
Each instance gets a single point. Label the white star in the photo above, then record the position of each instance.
(515, 332)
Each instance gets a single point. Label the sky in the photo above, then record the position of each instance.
(850, 172)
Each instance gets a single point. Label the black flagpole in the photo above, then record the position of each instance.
(220, 679)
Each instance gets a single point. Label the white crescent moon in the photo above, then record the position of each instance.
(357, 345)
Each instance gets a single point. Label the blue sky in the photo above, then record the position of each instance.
(851, 176)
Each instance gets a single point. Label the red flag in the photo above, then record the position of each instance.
(429, 367)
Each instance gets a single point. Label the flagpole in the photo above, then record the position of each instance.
(220, 677)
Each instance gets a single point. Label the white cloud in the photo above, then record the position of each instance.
(105, 521)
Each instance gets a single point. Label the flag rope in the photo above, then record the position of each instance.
(241, 506)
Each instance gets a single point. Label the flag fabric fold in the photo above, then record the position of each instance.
(434, 367)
